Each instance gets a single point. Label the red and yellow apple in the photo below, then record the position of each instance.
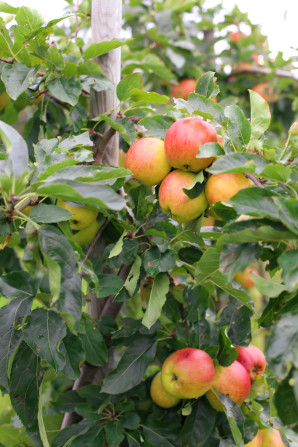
(147, 160)
(244, 277)
(183, 88)
(233, 381)
(252, 359)
(266, 438)
(208, 221)
(82, 216)
(175, 202)
(159, 395)
(188, 373)
(183, 140)
(221, 187)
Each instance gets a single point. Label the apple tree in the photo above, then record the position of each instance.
(99, 287)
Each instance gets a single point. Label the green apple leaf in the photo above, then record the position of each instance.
(157, 126)
(239, 162)
(132, 366)
(157, 299)
(210, 150)
(44, 333)
(127, 84)
(17, 78)
(238, 126)
(98, 49)
(206, 85)
(235, 257)
(109, 284)
(71, 348)
(285, 399)
(17, 285)
(93, 193)
(288, 212)
(236, 316)
(93, 344)
(158, 433)
(199, 425)
(255, 202)
(235, 418)
(71, 433)
(66, 89)
(220, 281)
(11, 316)
(260, 115)
(289, 264)
(140, 97)
(55, 245)
(276, 172)
(156, 262)
(268, 287)
(200, 105)
(29, 18)
(24, 393)
(49, 214)
(16, 149)
(282, 345)
(134, 274)
(227, 353)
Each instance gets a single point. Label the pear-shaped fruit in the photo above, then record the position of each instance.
(82, 216)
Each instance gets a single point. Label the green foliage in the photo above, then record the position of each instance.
(47, 279)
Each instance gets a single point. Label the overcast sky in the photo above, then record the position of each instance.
(278, 19)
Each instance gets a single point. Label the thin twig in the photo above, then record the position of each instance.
(254, 179)
(7, 61)
(98, 234)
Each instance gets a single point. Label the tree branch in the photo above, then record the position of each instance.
(255, 180)
(265, 71)
(100, 143)
(7, 61)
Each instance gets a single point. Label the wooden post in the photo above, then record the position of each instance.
(106, 21)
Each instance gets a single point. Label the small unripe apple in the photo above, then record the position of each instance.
(244, 278)
(233, 381)
(174, 201)
(122, 157)
(87, 235)
(183, 88)
(188, 373)
(159, 395)
(183, 141)
(82, 216)
(253, 360)
(147, 160)
(221, 187)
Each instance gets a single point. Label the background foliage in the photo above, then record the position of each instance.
(47, 75)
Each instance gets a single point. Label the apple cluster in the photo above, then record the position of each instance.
(189, 373)
(173, 164)
(83, 221)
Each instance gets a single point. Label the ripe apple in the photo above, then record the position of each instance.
(147, 160)
(221, 187)
(208, 221)
(265, 90)
(174, 201)
(236, 36)
(159, 395)
(188, 373)
(183, 140)
(232, 380)
(256, 441)
(220, 140)
(87, 235)
(253, 360)
(183, 88)
(271, 438)
(244, 277)
(82, 216)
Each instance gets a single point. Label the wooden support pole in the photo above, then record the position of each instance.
(106, 21)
